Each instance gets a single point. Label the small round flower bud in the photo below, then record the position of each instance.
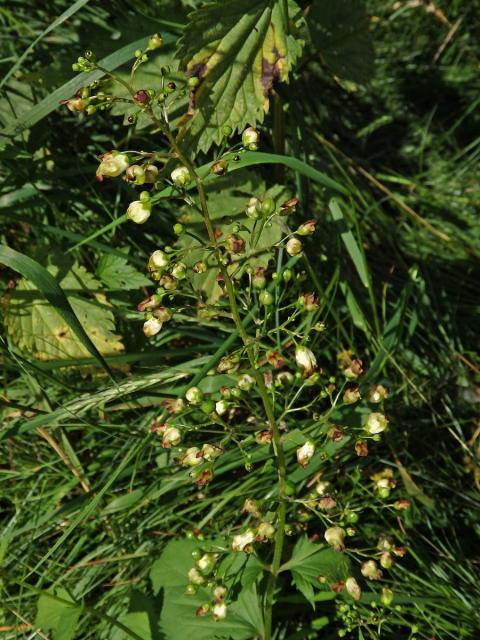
(376, 423)
(266, 298)
(172, 437)
(220, 592)
(307, 228)
(190, 590)
(246, 382)
(377, 393)
(191, 457)
(193, 82)
(211, 451)
(141, 97)
(207, 406)
(387, 596)
(335, 537)
(179, 271)
(178, 229)
(386, 560)
(219, 168)
(243, 540)
(264, 437)
(136, 174)
(219, 611)
(259, 281)
(155, 42)
(250, 139)
(294, 247)
(253, 208)
(221, 407)
(308, 301)
(151, 173)
(265, 532)
(206, 563)
(227, 130)
(370, 570)
(158, 260)
(112, 165)
(251, 506)
(305, 453)
(174, 406)
(323, 488)
(180, 177)
(268, 206)
(199, 267)
(287, 275)
(235, 244)
(351, 395)
(353, 588)
(139, 212)
(168, 282)
(195, 577)
(151, 327)
(194, 395)
(361, 448)
(306, 360)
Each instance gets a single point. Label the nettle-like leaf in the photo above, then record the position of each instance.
(178, 620)
(117, 274)
(35, 326)
(237, 50)
(309, 561)
(227, 198)
(339, 31)
(55, 614)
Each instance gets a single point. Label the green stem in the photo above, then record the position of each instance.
(262, 389)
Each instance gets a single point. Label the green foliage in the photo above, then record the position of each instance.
(36, 325)
(55, 614)
(237, 51)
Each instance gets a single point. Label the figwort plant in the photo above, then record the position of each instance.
(256, 266)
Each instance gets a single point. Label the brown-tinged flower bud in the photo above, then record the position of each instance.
(307, 228)
(168, 282)
(234, 243)
(199, 267)
(376, 423)
(353, 588)
(242, 541)
(245, 382)
(259, 280)
(179, 271)
(335, 434)
(361, 448)
(327, 502)
(265, 532)
(219, 168)
(294, 247)
(284, 379)
(162, 314)
(136, 174)
(151, 173)
(150, 303)
(205, 477)
(211, 451)
(264, 437)
(75, 104)
(351, 395)
(289, 207)
(203, 610)
(155, 42)
(305, 453)
(274, 359)
(308, 301)
(335, 537)
(141, 97)
(355, 369)
(174, 406)
(251, 506)
(370, 570)
(220, 592)
(400, 505)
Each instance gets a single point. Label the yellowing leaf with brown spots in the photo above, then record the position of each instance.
(36, 327)
(237, 49)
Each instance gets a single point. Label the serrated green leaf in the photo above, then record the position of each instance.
(237, 50)
(309, 561)
(340, 32)
(178, 620)
(46, 330)
(117, 274)
(53, 292)
(57, 616)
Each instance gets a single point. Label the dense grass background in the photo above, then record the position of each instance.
(88, 497)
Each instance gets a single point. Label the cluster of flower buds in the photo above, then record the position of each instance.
(203, 574)
(383, 482)
(155, 315)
